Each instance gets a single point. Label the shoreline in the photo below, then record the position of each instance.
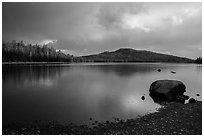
(42, 63)
(22, 63)
(173, 119)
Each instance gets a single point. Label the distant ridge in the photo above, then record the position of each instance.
(131, 55)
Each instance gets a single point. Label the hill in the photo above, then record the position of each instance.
(131, 55)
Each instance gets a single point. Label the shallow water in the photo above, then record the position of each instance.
(75, 92)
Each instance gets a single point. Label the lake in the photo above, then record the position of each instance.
(77, 92)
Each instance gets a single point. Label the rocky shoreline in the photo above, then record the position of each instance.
(172, 119)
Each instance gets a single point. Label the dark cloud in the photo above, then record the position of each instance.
(85, 28)
(44, 20)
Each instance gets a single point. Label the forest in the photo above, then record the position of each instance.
(20, 52)
(198, 60)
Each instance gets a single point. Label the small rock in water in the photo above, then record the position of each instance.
(143, 97)
(192, 100)
(197, 94)
(90, 118)
(173, 72)
(159, 70)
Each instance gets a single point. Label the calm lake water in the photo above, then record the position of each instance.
(76, 92)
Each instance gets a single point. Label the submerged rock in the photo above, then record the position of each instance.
(167, 90)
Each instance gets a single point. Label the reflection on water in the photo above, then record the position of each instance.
(74, 93)
(30, 75)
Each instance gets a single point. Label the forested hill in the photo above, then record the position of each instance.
(131, 55)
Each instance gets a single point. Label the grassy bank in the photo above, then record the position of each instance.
(175, 118)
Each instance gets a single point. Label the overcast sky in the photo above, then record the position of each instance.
(85, 28)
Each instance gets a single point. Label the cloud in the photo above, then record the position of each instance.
(132, 22)
(86, 28)
(176, 20)
(110, 15)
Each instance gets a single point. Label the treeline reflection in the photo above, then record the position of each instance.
(29, 74)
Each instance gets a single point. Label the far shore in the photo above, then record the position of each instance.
(22, 63)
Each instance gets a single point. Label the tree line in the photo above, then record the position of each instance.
(20, 52)
(198, 60)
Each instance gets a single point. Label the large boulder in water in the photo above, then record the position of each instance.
(169, 90)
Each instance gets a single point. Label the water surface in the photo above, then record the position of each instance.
(75, 92)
